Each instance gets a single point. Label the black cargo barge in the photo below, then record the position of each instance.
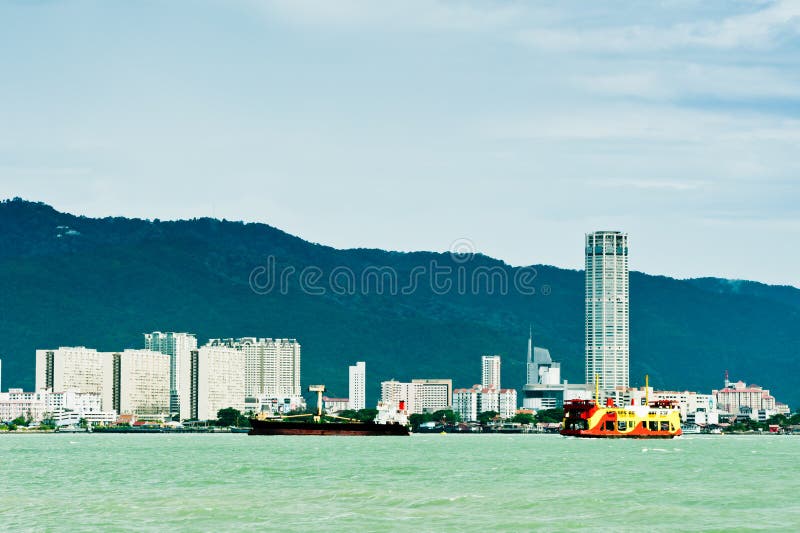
(280, 427)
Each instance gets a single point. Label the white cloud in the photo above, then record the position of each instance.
(673, 80)
(644, 124)
(760, 29)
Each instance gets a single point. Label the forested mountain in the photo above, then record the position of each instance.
(70, 280)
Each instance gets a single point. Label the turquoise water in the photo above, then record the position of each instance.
(229, 482)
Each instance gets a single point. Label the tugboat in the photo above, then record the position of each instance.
(654, 420)
(317, 425)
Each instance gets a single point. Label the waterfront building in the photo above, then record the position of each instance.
(272, 366)
(740, 398)
(607, 309)
(419, 396)
(396, 392)
(141, 383)
(217, 381)
(16, 403)
(433, 394)
(178, 346)
(64, 408)
(465, 403)
(469, 403)
(507, 402)
(490, 371)
(76, 368)
(335, 405)
(697, 408)
(273, 405)
(357, 380)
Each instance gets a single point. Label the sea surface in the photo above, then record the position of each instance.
(232, 482)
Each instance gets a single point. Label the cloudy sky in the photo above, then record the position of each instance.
(408, 125)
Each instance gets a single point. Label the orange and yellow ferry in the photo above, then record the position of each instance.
(654, 420)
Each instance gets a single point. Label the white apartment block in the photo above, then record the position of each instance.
(217, 381)
(272, 366)
(433, 394)
(178, 346)
(394, 392)
(75, 368)
(490, 371)
(469, 403)
(607, 309)
(507, 402)
(419, 396)
(357, 379)
(141, 383)
(465, 403)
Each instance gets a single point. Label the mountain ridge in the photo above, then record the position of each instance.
(101, 282)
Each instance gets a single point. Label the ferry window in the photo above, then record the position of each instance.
(609, 425)
(622, 426)
(664, 426)
(653, 425)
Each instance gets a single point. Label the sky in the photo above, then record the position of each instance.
(518, 126)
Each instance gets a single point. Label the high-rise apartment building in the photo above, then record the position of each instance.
(490, 371)
(217, 381)
(272, 366)
(607, 309)
(179, 347)
(75, 368)
(357, 385)
(140, 383)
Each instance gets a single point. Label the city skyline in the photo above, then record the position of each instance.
(517, 126)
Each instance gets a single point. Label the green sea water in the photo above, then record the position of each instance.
(231, 482)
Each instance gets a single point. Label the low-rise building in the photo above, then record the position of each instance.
(419, 396)
(59, 406)
(738, 397)
(469, 403)
(335, 405)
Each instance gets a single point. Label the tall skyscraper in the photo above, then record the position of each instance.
(272, 366)
(179, 347)
(490, 374)
(357, 384)
(607, 317)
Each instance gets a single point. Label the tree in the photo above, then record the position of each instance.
(524, 418)
(550, 416)
(417, 419)
(19, 421)
(487, 416)
(367, 415)
(445, 415)
(228, 416)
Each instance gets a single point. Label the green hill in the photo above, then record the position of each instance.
(68, 280)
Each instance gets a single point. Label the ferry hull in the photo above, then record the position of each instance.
(584, 418)
(265, 427)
